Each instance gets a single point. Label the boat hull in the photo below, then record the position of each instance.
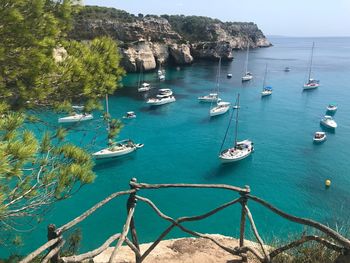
(76, 118)
(237, 154)
(219, 110)
(247, 78)
(313, 86)
(160, 101)
(109, 153)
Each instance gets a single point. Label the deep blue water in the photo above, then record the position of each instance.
(182, 145)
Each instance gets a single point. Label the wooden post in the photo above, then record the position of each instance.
(243, 218)
(51, 234)
(131, 204)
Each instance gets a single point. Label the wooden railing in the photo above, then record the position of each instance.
(334, 240)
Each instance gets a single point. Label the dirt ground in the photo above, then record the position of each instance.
(184, 250)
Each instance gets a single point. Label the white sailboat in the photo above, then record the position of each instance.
(240, 149)
(161, 72)
(116, 149)
(141, 85)
(247, 75)
(311, 83)
(267, 90)
(220, 107)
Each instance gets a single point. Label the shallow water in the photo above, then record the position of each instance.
(182, 144)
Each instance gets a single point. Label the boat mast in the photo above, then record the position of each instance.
(246, 59)
(107, 110)
(264, 82)
(236, 128)
(139, 82)
(217, 83)
(312, 54)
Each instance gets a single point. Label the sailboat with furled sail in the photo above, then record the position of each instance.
(240, 149)
(311, 83)
(116, 149)
(247, 75)
(220, 107)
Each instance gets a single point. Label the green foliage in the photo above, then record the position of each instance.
(39, 169)
(193, 28)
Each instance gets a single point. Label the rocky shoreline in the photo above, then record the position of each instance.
(150, 41)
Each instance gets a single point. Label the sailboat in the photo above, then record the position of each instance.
(311, 83)
(240, 149)
(116, 149)
(247, 75)
(267, 90)
(144, 86)
(161, 72)
(221, 106)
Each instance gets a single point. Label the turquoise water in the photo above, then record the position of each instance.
(182, 145)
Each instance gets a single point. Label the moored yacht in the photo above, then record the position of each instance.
(328, 122)
(117, 149)
(220, 108)
(161, 100)
(212, 97)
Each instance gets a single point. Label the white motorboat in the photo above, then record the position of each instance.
(247, 75)
(332, 108)
(236, 107)
(311, 83)
(229, 75)
(117, 149)
(161, 77)
(144, 87)
(328, 122)
(164, 93)
(161, 101)
(129, 115)
(319, 137)
(77, 117)
(240, 149)
(212, 97)
(220, 108)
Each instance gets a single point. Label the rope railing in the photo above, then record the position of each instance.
(263, 253)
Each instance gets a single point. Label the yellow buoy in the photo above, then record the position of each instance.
(328, 183)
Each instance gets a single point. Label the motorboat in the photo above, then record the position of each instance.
(78, 107)
(332, 108)
(328, 122)
(286, 69)
(164, 93)
(161, 101)
(220, 108)
(319, 137)
(161, 77)
(212, 97)
(240, 149)
(77, 117)
(117, 149)
(144, 87)
(129, 115)
(229, 75)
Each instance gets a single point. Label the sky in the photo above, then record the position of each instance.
(274, 17)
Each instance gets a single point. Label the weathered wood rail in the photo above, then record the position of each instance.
(52, 248)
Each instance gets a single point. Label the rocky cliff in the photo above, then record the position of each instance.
(147, 41)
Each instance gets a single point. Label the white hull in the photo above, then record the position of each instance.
(76, 118)
(332, 109)
(310, 86)
(161, 101)
(116, 151)
(328, 122)
(247, 78)
(161, 77)
(241, 151)
(220, 109)
(266, 93)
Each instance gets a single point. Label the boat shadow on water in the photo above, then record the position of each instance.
(102, 164)
(227, 169)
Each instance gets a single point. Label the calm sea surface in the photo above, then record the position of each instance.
(182, 144)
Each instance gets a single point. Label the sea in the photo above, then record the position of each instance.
(182, 143)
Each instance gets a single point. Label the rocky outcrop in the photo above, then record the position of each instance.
(147, 41)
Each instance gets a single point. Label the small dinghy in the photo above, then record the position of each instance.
(129, 115)
(319, 137)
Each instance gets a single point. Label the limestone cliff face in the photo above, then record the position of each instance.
(152, 40)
